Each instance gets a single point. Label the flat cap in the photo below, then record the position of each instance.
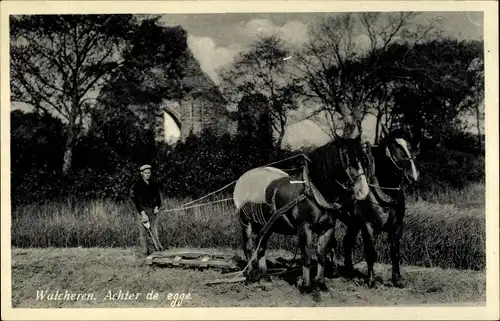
(144, 167)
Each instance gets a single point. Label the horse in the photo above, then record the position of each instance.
(331, 174)
(393, 165)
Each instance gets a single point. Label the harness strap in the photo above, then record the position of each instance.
(389, 155)
(379, 194)
(313, 192)
(278, 213)
(273, 205)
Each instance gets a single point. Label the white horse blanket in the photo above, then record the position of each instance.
(251, 187)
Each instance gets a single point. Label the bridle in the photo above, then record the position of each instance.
(389, 154)
(351, 180)
(395, 163)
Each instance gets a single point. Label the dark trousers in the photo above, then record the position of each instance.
(147, 245)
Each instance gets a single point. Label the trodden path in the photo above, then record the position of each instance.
(110, 277)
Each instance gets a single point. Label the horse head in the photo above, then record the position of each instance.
(353, 158)
(402, 148)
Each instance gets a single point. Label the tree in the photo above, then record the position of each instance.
(250, 108)
(475, 79)
(428, 84)
(153, 70)
(263, 69)
(35, 140)
(153, 67)
(341, 64)
(255, 130)
(59, 62)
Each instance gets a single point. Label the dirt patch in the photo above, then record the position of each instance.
(112, 277)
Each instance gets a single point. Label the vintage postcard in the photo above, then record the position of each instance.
(249, 160)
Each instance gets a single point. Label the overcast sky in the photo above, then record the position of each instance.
(216, 39)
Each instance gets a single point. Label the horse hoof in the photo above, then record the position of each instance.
(399, 283)
(316, 296)
(322, 287)
(348, 272)
(266, 279)
(371, 283)
(335, 274)
(305, 289)
(252, 277)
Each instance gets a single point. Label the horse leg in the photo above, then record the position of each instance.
(261, 257)
(305, 240)
(324, 244)
(332, 247)
(370, 253)
(394, 236)
(246, 228)
(349, 240)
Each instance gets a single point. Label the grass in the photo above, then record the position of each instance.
(438, 232)
(99, 270)
(471, 196)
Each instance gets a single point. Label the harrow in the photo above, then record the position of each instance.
(226, 262)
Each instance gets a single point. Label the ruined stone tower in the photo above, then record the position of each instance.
(198, 104)
(203, 107)
(203, 110)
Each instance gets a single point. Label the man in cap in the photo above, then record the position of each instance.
(145, 193)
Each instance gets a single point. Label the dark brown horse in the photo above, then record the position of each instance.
(332, 175)
(384, 208)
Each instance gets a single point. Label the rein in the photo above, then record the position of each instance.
(187, 205)
(373, 178)
(393, 161)
(352, 181)
(387, 188)
(389, 154)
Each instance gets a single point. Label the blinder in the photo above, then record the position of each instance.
(345, 158)
(403, 158)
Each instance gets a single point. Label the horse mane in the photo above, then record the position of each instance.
(324, 168)
(329, 152)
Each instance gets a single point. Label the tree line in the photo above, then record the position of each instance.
(402, 73)
(94, 81)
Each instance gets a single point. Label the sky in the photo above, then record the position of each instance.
(216, 39)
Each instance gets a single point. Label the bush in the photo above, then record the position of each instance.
(442, 168)
(197, 166)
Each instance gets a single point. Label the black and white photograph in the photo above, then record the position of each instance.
(307, 155)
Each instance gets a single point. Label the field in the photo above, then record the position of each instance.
(90, 248)
(100, 270)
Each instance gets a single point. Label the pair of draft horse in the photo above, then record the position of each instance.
(334, 184)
